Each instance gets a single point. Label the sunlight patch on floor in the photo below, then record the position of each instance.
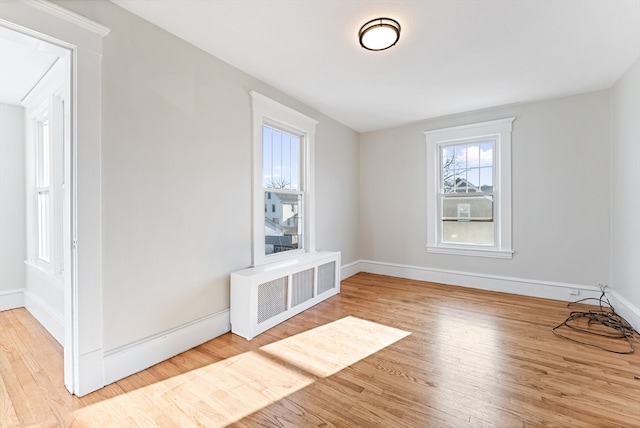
(467, 359)
(227, 391)
(327, 349)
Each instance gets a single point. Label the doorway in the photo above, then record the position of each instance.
(36, 112)
(83, 38)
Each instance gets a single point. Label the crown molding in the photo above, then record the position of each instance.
(68, 16)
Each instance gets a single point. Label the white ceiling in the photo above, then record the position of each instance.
(453, 56)
(23, 62)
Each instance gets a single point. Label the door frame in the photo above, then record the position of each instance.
(83, 353)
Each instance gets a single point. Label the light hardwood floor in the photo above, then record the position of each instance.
(385, 352)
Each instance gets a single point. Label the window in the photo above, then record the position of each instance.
(45, 136)
(283, 175)
(465, 193)
(281, 172)
(469, 189)
(43, 181)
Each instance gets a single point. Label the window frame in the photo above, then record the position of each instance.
(275, 115)
(500, 132)
(47, 102)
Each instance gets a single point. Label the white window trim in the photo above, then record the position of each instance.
(270, 112)
(500, 130)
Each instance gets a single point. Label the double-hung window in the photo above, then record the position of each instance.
(282, 186)
(45, 184)
(43, 181)
(469, 189)
(46, 108)
(283, 213)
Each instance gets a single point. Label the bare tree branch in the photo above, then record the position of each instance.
(278, 183)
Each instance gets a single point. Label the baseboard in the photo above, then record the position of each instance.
(625, 309)
(525, 287)
(134, 357)
(92, 369)
(349, 269)
(12, 299)
(46, 315)
(521, 286)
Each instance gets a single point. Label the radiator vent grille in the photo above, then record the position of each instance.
(326, 277)
(266, 295)
(301, 287)
(272, 298)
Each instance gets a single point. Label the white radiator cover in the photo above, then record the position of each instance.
(264, 296)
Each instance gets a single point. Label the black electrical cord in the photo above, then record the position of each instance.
(615, 326)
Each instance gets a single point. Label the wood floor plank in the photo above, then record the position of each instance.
(8, 415)
(465, 358)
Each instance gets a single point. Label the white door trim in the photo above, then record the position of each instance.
(83, 362)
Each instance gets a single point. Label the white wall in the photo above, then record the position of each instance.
(12, 198)
(337, 190)
(176, 170)
(625, 187)
(560, 185)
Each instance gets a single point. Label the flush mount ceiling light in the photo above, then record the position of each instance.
(379, 34)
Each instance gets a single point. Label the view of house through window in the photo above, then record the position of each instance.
(283, 190)
(466, 193)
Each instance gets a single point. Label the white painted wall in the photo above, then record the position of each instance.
(560, 185)
(12, 198)
(176, 178)
(625, 187)
(44, 299)
(337, 190)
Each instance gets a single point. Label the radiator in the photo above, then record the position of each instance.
(264, 296)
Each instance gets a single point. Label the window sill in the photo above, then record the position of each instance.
(282, 257)
(301, 259)
(474, 252)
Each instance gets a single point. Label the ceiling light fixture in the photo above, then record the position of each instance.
(379, 34)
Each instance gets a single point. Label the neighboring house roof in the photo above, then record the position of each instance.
(271, 225)
(461, 184)
(286, 198)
